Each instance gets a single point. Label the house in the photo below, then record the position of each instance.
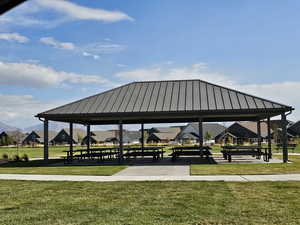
(37, 137)
(190, 133)
(112, 137)
(245, 131)
(63, 136)
(175, 129)
(163, 137)
(163, 134)
(132, 137)
(11, 137)
(101, 137)
(294, 129)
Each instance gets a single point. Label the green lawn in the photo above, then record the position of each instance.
(139, 203)
(41, 167)
(243, 169)
(36, 152)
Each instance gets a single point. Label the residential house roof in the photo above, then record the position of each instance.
(166, 135)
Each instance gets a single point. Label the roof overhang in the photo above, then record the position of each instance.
(166, 117)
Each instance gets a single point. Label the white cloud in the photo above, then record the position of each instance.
(91, 50)
(19, 110)
(54, 43)
(31, 13)
(100, 48)
(78, 12)
(39, 76)
(282, 92)
(195, 71)
(13, 37)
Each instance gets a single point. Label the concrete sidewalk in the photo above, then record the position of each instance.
(157, 170)
(239, 178)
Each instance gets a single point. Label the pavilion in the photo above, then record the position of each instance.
(167, 102)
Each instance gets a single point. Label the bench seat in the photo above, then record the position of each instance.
(181, 152)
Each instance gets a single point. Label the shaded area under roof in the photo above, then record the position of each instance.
(166, 101)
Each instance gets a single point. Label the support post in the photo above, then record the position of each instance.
(88, 135)
(46, 140)
(200, 127)
(258, 133)
(71, 141)
(269, 138)
(142, 138)
(284, 138)
(120, 141)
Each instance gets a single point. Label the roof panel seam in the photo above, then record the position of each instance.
(171, 96)
(130, 97)
(144, 97)
(207, 96)
(237, 97)
(112, 105)
(154, 109)
(137, 97)
(164, 98)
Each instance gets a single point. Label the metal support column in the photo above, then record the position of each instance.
(120, 141)
(71, 141)
(269, 138)
(88, 140)
(284, 138)
(142, 138)
(200, 127)
(258, 133)
(46, 140)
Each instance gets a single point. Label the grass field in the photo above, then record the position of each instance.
(243, 169)
(139, 203)
(41, 167)
(36, 152)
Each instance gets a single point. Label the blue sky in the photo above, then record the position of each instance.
(56, 51)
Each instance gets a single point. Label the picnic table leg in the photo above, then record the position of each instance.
(229, 158)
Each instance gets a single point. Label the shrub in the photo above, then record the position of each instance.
(16, 158)
(25, 158)
(5, 156)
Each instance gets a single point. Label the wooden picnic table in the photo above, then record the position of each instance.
(92, 153)
(155, 152)
(289, 146)
(190, 151)
(252, 150)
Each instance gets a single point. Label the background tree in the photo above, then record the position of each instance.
(207, 136)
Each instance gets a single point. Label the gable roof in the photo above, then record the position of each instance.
(40, 133)
(165, 136)
(166, 101)
(213, 128)
(252, 126)
(77, 132)
(294, 128)
(167, 129)
(102, 136)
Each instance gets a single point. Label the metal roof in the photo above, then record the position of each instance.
(166, 101)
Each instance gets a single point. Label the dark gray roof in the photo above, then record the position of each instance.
(213, 128)
(166, 101)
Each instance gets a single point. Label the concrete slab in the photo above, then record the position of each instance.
(155, 170)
